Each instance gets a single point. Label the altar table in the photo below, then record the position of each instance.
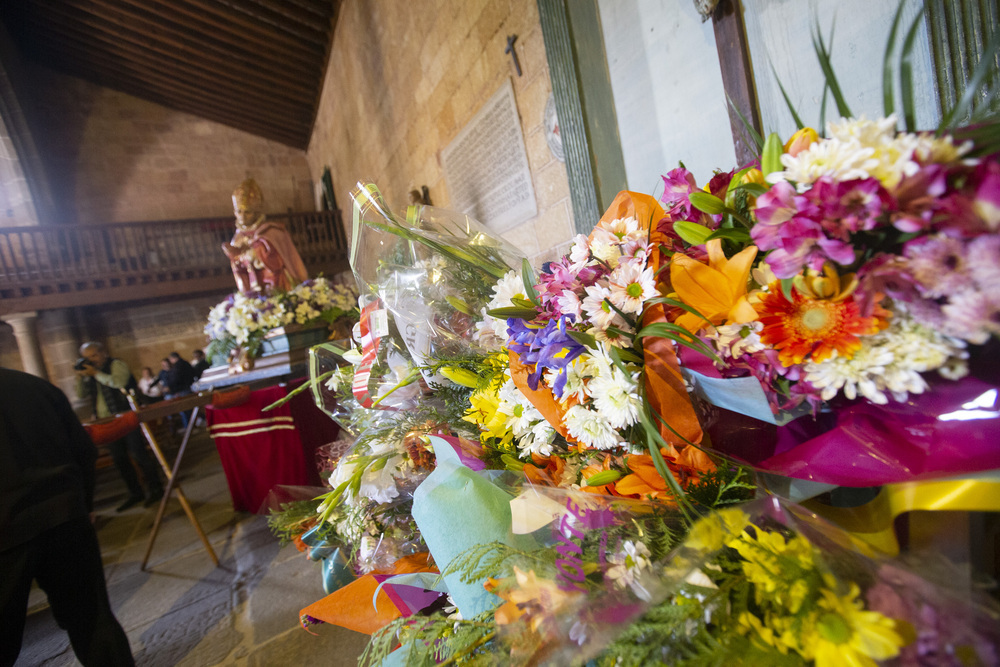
(260, 450)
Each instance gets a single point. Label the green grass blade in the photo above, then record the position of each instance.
(754, 134)
(823, 55)
(906, 76)
(822, 107)
(888, 104)
(528, 278)
(788, 102)
(979, 75)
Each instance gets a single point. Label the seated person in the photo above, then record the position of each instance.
(150, 385)
(199, 363)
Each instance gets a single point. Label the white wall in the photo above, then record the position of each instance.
(667, 85)
(780, 35)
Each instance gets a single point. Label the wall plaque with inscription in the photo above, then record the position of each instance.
(486, 166)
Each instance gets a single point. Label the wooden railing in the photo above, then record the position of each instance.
(57, 266)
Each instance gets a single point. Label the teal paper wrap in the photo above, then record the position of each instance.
(457, 509)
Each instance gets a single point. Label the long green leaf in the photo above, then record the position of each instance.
(906, 76)
(888, 104)
(823, 55)
(962, 107)
(756, 189)
(788, 102)
(737, 235)
(582, 338)
(754, 134)
(528, 277)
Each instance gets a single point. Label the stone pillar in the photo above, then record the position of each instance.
(26, 334)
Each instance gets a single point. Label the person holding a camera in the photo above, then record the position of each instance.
(103, 380)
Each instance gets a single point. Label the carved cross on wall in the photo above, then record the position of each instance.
(510, 49)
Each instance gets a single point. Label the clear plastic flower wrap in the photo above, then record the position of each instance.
(766, 583)
(434, 270)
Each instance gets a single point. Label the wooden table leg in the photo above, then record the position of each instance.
(173, 485)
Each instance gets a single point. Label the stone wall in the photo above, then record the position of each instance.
(123, 159)
(402, 81)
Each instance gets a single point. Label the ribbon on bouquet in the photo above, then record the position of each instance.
(372, 327)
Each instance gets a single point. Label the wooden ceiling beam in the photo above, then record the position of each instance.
(215, 17)
(189, 99)
(220, 61)
(297, 13)
(285, 18)
(165, 27)
(237, 83)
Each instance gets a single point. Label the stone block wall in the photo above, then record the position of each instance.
(404, 78)
(116, 158)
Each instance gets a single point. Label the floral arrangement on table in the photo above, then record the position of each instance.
(541, 444)
(241, 322)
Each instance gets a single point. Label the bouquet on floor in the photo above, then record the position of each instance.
(855, 277)
(240, 323)
(610, 581)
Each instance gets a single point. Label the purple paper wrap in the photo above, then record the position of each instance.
(950, 429)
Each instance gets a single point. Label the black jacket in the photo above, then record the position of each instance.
(46, 459)
(180, 377)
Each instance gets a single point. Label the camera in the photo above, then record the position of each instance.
(80, 364)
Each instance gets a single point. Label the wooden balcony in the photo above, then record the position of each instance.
(56, 266)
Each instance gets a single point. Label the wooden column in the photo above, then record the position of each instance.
(737, 76)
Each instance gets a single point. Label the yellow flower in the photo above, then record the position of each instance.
(801, 140)
(845, 634)
(717, 529)
(717, 290)
(484, 413)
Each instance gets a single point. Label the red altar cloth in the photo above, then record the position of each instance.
(260, 450)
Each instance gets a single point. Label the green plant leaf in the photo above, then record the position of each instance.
(964, 104)
(906, 76)
(692, 232)
(770, 159)
(823, 55)
(707, 203)
(788, 102)
(756, 189)
(519, 313)
(750, 129)
(528, 276)
(888, 104)
(786, 288)
(582, 338)
(740, 236)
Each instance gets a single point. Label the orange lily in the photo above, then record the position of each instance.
(717, 290)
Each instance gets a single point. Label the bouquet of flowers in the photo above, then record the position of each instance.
(242, 321)
(590, 392)
(853, 272)
(616, 581)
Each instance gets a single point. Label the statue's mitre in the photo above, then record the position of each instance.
(248, 196)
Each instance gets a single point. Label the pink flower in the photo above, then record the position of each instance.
(987, 198)
(677, 185)
(849, 206)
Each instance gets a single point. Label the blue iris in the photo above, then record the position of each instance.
(546, 347)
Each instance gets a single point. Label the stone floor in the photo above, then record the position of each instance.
(185, 611)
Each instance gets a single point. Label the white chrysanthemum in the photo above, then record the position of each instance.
(599, 313)
(628, 563)
(591, 428)
(865, 132)
(579, 254)
(939, 150)
(889, 361)
(578, 373)
(539, 440)
(894, 160)
(630, 285)
(836, 159)
(622, 230)
(616, 397)
(508, 287)
(606, 248)
(569, 304)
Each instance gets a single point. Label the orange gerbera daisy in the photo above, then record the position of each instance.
(811, 328)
